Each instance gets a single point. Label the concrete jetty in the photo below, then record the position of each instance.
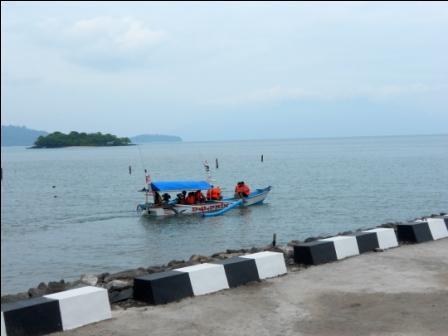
(400, 291)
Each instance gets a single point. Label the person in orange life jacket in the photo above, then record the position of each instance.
(191, 198)
(200, 197)
(241, 190)
(214, 193)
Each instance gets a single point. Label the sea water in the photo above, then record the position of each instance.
(71, 211)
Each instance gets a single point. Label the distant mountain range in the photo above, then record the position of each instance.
(22, 136)
(19, 136)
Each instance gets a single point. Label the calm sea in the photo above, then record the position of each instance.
(65, 212)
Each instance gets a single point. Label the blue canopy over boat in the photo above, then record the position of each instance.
(180, 185)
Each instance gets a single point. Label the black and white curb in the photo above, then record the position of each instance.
(206, 278)
(165, 287)
(269, 264)
(340, 247)
(239, 271)
(56, 312)
(386, 237)
(423, 230)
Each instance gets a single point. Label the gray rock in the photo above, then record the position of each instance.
(129, 274)
(89, 279)
(56, 286)
(41, 290)
(119, 284)
(74, 284)
(10, 298)
(102, 276)
(118, 296)
(155, 269)
(196, 258)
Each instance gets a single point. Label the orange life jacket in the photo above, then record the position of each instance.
(199, 197)
(191, 199)
(242, 189)
(216, 193)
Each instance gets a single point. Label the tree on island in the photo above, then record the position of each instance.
(58, 139)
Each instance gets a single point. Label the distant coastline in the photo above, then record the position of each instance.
(23, 136)
(19, 135)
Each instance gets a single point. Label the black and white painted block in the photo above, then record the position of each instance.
(3, 329)
(163, 287)
(269, 264)
(415, 232)
(239, 271)
(367, 241)
(56, 312)
(345, 246)
(386, 237)
(82, 306)
(206, 278)
(438, 227)
(37, 316)
(314, 253)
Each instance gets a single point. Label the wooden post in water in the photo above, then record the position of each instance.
(261, 157)
(217, 164)
(130, 170)
(274, 239)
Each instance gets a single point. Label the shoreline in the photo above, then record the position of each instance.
(401, 291)
(120, 284)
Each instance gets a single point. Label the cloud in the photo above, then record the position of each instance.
(103, 42)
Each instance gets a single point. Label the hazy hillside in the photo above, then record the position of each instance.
(19, 136)
(145, 138)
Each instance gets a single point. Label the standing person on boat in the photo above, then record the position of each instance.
(241, 190)
(157, 199)
(200, 198)
(214, 193)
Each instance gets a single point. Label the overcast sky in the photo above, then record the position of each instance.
(213, 71)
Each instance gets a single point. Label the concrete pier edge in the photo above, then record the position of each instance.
(63, 310)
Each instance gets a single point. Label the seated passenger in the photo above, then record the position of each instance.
(200, 197)
(166, 198)
(191, 198)
(180, 198)
(214, 194)
(241, 190)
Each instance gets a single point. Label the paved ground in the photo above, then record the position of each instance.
(403, 291)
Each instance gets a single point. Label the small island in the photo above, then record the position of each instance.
(58, 140)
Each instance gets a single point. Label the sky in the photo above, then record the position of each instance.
(226, 71)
